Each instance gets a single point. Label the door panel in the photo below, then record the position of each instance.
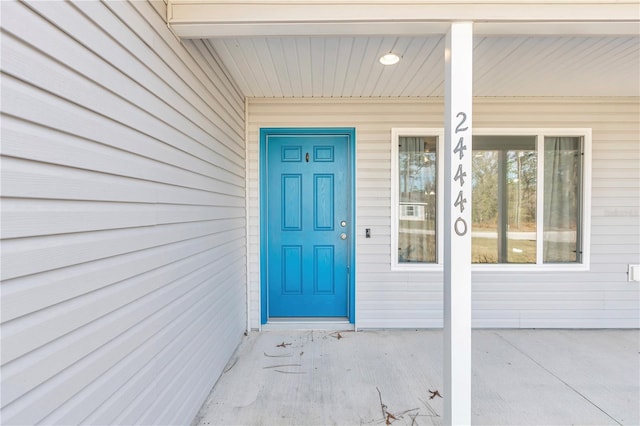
(323, 213)
(291, 202)
(307, 199)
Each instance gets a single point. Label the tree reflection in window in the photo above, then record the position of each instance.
(504, 199)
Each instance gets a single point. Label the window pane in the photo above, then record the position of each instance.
(521, 187)
(561, 199)
(417, 196)
(504, 199)
(484, 235)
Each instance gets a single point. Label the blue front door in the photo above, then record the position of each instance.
(307, 221)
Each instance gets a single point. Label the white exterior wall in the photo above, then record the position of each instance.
(600, 297)
(123, 219)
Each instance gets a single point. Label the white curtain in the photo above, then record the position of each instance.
(561, 199)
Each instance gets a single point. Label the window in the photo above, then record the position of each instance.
(417, 184)
(529, 195)
(503, 212)
(415, 171)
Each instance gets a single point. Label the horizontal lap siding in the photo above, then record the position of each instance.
(601, 297)
(123, 216)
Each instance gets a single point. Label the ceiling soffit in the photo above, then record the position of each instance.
(330, 48)
(273, 67)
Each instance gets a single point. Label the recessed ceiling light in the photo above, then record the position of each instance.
(389, 59)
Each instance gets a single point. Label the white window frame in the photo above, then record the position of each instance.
(395, 198)
(540, 134)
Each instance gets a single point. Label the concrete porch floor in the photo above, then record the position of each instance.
(519, 377)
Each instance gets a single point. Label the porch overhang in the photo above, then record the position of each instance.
(214, 18)
(460, 20)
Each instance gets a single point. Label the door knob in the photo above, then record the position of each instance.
(343, 236)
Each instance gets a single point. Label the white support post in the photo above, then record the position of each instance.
(457, 224)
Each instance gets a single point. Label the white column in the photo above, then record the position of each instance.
(457, 223)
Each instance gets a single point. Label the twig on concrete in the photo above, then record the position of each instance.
(407, 411)
(430, 408)
(389, 418)
(283, 365)
(382, 406)
(338, 334)
(386, 415)
(283, 345)
(278, 356)
(434, 393)
(290, 372)
(413, 418)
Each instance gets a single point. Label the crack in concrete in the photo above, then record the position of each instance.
(559, 378)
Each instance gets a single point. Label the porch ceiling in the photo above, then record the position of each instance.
(347, 66)
(330, 48)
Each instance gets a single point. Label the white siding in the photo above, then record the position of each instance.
(600, 297)
(123, 216)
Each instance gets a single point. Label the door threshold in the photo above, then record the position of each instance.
(308, 323)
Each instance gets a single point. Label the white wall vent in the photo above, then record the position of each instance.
(634, 272)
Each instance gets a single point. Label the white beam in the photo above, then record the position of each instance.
(457, 224)
(219, 18)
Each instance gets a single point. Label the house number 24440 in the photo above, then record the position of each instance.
(460, 225)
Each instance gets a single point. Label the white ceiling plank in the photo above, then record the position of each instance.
(507, 73)
(317, 65)
(582, 49)
(355, 60)
(236, 70)
(572, 69)
(244, 54)
(481, 65)
(345, 49)
(331, 59)
(559, 67)
(367, 65)
(624, 60)
(267, 65)
(227, 82)
(289, 47)
(303, 49)
(486, 63)
(280, 67)
(488, 52)
(412, 57)
(433, 70)
(430, 76)
(604, 56)
(259, 63)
